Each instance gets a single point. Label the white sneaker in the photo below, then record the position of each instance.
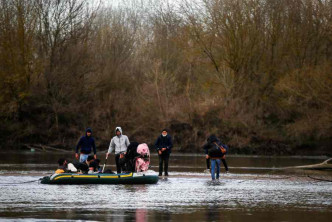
(207, 171)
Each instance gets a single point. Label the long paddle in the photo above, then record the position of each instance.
(104, 165)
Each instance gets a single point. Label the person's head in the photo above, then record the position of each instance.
(118, 131)
(97, 161)
(62, 162)
(164, 132)
(88, 131)
(90, 158)
(93, 166)
(212, 138)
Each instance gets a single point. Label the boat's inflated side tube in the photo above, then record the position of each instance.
(102, 178)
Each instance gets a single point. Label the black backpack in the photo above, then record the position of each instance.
(215, 151)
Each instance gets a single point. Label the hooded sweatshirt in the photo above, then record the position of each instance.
(211, 144)
(119, 143)
(86, 143)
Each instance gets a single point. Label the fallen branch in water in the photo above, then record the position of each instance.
(45, 148)
(326, 165)
(319, 179)
(16, 183)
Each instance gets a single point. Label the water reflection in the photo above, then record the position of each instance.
(180, 163)
(212, 213)
(213, 183)
(135, 188)
(141, 215)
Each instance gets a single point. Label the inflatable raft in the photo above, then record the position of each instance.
(101, 178)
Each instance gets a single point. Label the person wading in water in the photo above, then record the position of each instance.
(164, 146)
(215, 151)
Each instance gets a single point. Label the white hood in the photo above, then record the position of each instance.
(118, 128)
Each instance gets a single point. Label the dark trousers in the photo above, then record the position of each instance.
(163, 160)
(223, 162)
(119, 167)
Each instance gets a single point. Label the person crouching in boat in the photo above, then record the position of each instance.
(65, 167)
(214, 151)
(85, 167)
(119, 143)
(143, 160)
(94, 167)
(131, 156)
(86, 144)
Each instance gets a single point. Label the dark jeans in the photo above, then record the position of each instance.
(223, 162)
(119, 167)
(163, 160)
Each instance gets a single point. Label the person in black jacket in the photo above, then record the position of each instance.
(130, 156)
(85, 167)
(164, 146)
(214, 142)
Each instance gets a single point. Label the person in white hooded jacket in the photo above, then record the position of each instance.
(119, 143)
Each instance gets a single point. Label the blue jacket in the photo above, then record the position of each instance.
(86, 143)
(164, 142)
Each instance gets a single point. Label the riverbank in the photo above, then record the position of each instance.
(272, 150)
(188, 137)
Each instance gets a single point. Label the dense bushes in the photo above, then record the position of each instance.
(256, 73)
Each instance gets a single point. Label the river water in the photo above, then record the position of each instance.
(256, 189)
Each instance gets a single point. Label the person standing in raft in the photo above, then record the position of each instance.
(215, 151)
(119, 143)
(164, 146)
(86, 144)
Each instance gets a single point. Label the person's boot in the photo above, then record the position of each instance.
(166, 174)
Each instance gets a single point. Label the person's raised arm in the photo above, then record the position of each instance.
(156, 144)
(110, 148)
(206, 148)
(77, 147)
(170, 143)
(94, 148)
(127, 141)
(206, 151)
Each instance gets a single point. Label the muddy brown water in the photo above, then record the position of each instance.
(256, 189)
